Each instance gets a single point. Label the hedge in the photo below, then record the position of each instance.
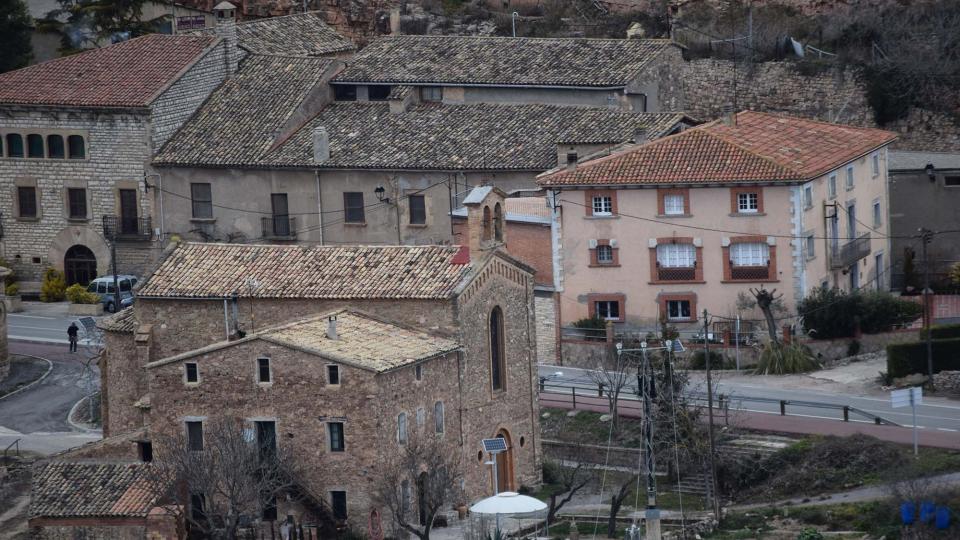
(906, 358)
(943, 331)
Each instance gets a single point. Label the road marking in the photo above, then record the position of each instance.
(15, 315)
(945, 429)
(47, 328)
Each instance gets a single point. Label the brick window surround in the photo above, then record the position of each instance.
(655, 274)
(735, 196)
(594, 263)
(591, 193)
(663, 192)
(771, 276)
(662, 300)
(593, 298)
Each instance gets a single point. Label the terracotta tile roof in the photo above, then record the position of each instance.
(242, 117)
(127, 74)
(89, 489)
(503, 61)
(300, 34)
(123, 321)
(520, 209)
(761, 148)
(196, 270)
(362, 341)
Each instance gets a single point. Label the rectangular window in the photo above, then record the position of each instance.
(338, 500)
(678, 310)
(851, 221)
(603, 205)
(748, 203)
(353, 207)
(195, 435)
(55, 147)
(279, 224)
(877, 215)
(201, 200)
(608, 310)
(808, 197)
(378, 92)
(677, 255)
(333, 375)
(879, 269)
(27, 200)
(402, 428)
(673, 205)
(145, 449)
(191, 372)
(14, 145)
(418, 372)
(832, 186)
(875, 164)
(604, 255)
(572, 158)
(431, 94)
(811, 246)
(335, 436)
(850, 177)
(345, 92)
(77, 201)
(951, 181)
(263, 370)
(266, 438)
(438, 416)
(418, 210)
(34, 145)
(749, 254)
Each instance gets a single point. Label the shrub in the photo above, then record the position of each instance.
(12, 289)
(54, 286)
(942, 331)
(906, 358)
(77, 294)
(780, 359)
(830, 313)
(853, 348)
(12, 276)
(810, 533)
(698, 360)
(882, 311)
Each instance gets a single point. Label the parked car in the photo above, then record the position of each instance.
(103, 287)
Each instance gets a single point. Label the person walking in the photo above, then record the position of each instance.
(72, 331)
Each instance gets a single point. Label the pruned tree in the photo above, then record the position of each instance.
(567, 477)
(766, 300)
(227, 484)
(430, 466)
(610, 380)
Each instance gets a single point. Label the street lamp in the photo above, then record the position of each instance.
(380, 192)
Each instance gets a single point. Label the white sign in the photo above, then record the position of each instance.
(906, 397)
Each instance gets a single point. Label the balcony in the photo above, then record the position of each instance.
(851, 252)
(750, 273)
(279, 228)
(138, 229)
(676, 273)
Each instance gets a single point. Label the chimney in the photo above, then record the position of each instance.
(640, 136)
(226, 28)
(321, 145)
(402, 98)
(729, 116)
(332, 327)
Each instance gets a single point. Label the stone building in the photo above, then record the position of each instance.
(454, 322)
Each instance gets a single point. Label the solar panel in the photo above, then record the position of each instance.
(495, 445)
(89, 324)
(677, 346)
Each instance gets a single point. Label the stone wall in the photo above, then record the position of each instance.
(834, 349)
(99, 528)
(545, 308)
(947, 382)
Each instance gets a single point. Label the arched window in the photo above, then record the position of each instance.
(498, 223)
(76, 147)
(486, 223)
(55, 148)
(14, 145)
(497, 366)
(34, 145)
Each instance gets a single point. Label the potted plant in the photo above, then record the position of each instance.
(83, 302)
(12, 300)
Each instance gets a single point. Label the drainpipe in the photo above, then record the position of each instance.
(316, 173)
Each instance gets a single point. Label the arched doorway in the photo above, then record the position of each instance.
(79, 265)
(505, 464)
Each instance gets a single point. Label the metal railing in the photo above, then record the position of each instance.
(757, 273)
(127, 228)
(676, 273)
(851, 252)
(583, 334)
(279, 227)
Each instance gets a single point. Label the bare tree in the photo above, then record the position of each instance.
(568, 477)
(430, 467)
(610, 381)
(766, 301)
(616, 502)
(228, 483)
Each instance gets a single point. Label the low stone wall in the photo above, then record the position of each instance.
(583, 354)
(590, 453)
(834, 349)
(947, 382)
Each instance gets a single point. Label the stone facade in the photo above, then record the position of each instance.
(545, 308)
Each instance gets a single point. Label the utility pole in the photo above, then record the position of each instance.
(926, 235)
(652, 513)
(715, 499)
(112, 233)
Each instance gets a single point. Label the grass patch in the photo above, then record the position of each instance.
(877, 519)
(586, 427)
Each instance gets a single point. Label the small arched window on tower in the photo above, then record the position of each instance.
(486, 223)
(498, 223)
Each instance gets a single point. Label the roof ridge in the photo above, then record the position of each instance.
(315, 12)
(527, 38)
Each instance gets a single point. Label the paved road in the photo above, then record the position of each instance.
(38, 415)
(936, 414)
(43, 323)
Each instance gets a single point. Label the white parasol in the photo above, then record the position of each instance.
(508, 502)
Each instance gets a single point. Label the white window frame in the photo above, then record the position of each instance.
(602, 205)
(671, 207)
(677, 255)
(877, 214)
(608, 304)
(260, 381)
(849, 178)
(752, 254)
(875, 164)
(607, 251)
(748, 202)
(678, 304)
(832, 186)
(807, 197)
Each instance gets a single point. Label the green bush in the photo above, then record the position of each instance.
(12, 277)
(810, 533)
(781, 359)
(12, 289)
(853, 348)
(906, 358)
(942, 331)
(698, 360)
(77, 294)
(830, 313)
(54, 286)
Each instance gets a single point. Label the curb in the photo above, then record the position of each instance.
(77, 426)
(38, 381)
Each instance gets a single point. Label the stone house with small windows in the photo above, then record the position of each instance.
(245, 331)
(663, 230)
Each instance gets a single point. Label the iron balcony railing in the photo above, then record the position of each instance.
(676, 273)
(127, 228)
(279, 227)
(851, 252)
(750, 273)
